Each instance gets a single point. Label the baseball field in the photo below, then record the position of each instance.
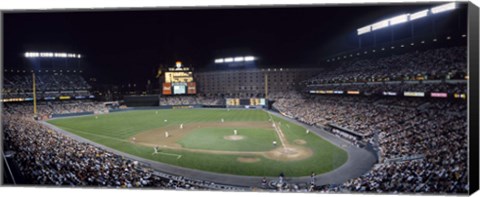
(237, 141)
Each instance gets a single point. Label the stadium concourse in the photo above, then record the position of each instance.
(421, 143)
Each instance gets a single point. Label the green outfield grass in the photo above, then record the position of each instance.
(115, 129)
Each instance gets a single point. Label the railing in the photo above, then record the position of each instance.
(405, 158)
(8, 167)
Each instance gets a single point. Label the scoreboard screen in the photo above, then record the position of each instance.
(179, 88)
(178, 77)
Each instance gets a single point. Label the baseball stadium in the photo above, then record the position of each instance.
(239, 99)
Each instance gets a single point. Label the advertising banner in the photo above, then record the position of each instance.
(191, 88)
(439, 94)
(167, 89)
(414, 94)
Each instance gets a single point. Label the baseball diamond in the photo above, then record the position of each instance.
(207, 144)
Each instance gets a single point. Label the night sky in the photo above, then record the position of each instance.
(120, 44)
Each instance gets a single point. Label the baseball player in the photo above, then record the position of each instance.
(155, 150)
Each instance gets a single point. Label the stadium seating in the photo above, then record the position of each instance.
(46, 157)
(19, 85)
(442, 63)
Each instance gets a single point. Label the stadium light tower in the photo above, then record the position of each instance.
(219, 61)
(51, 55)
(248, 58)
(399, 19)
(228, 60)
(443, 8)
(418, 15)
(380, 25)
(364, 30)
(405, 18)
(238, 59)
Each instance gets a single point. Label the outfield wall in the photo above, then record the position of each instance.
(71, 114)
(149, 108)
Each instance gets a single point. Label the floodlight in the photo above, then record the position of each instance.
(27, 54)
(418, 15)
(364, 30)
(399, 19)
(379, 25)
(249, 58)
(443, 8)
(79, 56)
(228, 59)
(218, 61)
(238, 59)
(62, 55)
(464, 35)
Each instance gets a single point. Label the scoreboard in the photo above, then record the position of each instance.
(179, 81)
(245, 102)
(178, 77)
(179, 88)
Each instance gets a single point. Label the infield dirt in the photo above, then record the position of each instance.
(157, 137)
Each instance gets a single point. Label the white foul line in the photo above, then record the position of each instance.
(279, 133)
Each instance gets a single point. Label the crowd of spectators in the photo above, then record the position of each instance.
(192, 100)
(379, 88)
(19, 85)
(440, 63)
(436, 129)
(47, 157)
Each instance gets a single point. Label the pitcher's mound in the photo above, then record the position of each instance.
(234, 137)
